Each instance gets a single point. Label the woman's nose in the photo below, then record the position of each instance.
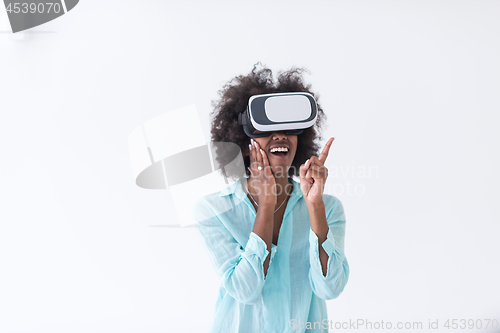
(279, 136)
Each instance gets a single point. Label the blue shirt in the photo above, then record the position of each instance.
(291, 296)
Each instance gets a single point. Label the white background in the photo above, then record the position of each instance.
(410, 88)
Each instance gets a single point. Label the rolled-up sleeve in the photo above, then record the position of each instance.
(243, 274)
(239, 266)
(337, 274)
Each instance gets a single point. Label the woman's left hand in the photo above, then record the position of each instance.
(313, 176)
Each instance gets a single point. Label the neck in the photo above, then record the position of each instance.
(282, 181)
(282, 184)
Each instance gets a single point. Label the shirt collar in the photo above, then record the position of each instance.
(231, 189)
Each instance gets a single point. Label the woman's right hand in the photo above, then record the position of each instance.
(263, 181)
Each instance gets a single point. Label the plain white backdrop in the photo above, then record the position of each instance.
(411, 89)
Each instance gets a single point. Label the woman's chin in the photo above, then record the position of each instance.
(280, 170)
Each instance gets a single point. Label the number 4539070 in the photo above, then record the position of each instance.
(26, 7)
(471, 324)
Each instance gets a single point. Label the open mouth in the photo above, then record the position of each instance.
(279, 151)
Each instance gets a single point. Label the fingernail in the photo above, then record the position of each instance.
(249, 146)
(306, 161)
(261, 152)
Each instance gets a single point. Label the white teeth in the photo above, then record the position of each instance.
(279, 149)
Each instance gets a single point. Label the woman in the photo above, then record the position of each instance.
(279, 248)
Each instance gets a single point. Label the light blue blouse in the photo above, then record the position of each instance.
(291, 296)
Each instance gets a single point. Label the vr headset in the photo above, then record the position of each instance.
(290, 113)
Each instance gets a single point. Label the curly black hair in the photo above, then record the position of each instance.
(234, 98)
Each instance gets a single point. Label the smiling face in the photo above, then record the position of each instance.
(280, 149)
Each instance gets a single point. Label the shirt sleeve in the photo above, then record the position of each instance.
(330, 286)
(239, 267)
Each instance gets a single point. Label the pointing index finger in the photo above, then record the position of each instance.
(324, 154)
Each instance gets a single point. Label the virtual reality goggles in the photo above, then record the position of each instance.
(290, 113)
